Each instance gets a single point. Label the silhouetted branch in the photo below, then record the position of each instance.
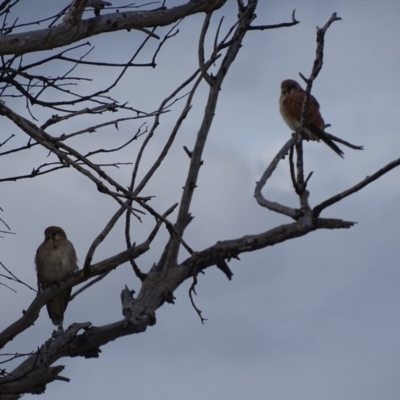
(275, 26)
(365, 182)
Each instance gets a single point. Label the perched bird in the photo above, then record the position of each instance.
(291, 103)
(55, 261)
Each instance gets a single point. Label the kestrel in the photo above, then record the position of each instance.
(55, 261)
(291, 103)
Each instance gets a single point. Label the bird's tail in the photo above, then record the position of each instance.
(322, 136)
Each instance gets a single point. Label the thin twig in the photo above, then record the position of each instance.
(369, 179)
(275, 26)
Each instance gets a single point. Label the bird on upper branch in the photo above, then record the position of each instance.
(291, 103)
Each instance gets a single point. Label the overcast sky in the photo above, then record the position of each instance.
(310, 319)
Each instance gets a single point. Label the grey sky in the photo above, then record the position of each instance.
(310, 319)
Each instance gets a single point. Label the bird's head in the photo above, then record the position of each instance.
(54, 233)
(289, 86)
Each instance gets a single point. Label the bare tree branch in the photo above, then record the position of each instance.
(365, 182)
(74, 29)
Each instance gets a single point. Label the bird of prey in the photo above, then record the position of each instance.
(291, 103)
(55, 261)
